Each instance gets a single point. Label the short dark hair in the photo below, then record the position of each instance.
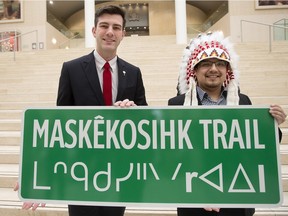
(110, 9)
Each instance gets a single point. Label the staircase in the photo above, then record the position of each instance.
(32, 81)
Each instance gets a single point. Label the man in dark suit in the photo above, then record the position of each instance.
(81, 79)
(209, 76)
(82, 84)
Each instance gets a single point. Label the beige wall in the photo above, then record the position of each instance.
(34, 17)
(246, 10)
(162, 18)
(222, 25)
(76, 22)
(53, 33)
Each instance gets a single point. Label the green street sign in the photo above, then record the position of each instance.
(173, 156)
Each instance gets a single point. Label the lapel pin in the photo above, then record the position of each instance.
(124, 73)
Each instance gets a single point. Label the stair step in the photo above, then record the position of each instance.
(24, 105)
(9, 154)
(8, 175)
(10, 138)
(10, 114)
(22, 97)
(10, 125)
(284, 136)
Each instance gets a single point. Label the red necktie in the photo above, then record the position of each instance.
(107, 85)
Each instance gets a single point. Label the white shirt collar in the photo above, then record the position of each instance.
(100, 62)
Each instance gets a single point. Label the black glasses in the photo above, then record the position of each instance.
(208, 64)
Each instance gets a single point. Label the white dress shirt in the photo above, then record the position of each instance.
(99, 61)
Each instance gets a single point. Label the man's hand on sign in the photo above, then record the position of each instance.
(278, 113)
(212, 209)
(28, 205)
(125, 103)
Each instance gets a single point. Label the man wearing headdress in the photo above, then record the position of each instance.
(209, 76)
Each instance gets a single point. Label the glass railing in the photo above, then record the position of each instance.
(72, 42)
(12, 40)
(275, 28)
(221, 11)
(51, 19)
(279, 32)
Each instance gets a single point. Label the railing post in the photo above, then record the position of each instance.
(37, 41)
(285, 30)
(14, 45)
(270, 39)
(241, 33)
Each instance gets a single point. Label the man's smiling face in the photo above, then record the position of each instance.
(211, 74)
(108, 33)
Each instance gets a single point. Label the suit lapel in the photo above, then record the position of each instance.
(122, 73)
(89, 67)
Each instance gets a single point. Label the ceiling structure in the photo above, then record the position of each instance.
(63, 9)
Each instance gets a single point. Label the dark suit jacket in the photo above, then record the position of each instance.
(79, 86)
(79, 83)
(243, 100)
(179, 100)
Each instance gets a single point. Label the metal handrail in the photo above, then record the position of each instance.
(264, 24)
(68, 40)
(20, 35)
(281, 20)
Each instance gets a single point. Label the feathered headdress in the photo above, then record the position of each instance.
(210, 45)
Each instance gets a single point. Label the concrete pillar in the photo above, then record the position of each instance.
(181, 22)
(89, 10)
